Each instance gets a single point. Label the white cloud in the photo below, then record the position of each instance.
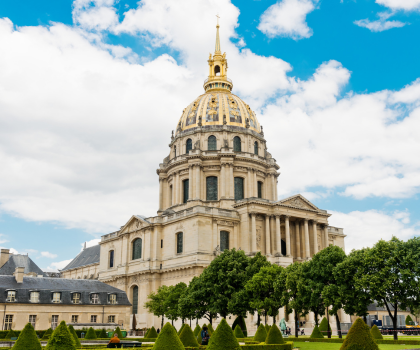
(48, 255)
(95, 15)
(3, 238)
(381, 24)
(405, 5)
(287, 18)
(364, 229)
(55, 266)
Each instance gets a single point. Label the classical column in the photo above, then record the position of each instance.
(307, 245)
(198, 181)
(190, 181)
(315, 236)
(231, 182)
(254, 179)
(326, 236)
(286, 224)
(253, 232)
(223, 181)
(267, 235)
(175, 188)
(273, 188)
(160, 194)
(297, 233)
(180, 189)
(278, 235)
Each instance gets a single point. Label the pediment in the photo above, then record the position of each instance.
(298, 201)
(135, 223)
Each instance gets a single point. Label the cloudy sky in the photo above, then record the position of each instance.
(91, 90)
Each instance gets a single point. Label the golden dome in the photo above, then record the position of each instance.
(218, 108)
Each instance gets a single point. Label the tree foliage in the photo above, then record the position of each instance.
(156, 303)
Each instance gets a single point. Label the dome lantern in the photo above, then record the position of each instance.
(217, 80)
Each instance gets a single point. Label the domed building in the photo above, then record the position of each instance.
(217, 191)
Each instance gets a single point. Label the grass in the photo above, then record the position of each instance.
(327, 346)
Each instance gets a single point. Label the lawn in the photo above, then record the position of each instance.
(328, 346)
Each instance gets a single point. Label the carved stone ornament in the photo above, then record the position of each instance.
(259, 238)
(224, 223)
(240, 168)
(226, 143)
(296, 202)
(184, 172)
(210, 168)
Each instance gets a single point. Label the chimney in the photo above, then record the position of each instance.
(19, 274)
(84, 246)
(4, 256)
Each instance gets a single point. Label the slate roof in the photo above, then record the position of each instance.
(375, 307)
(46, 286)
(18, 260)
(87, 256)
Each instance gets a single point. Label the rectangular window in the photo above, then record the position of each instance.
(56, 297)
(93, 318)
(239, 188)
(74, 318)
(11, 296)
(34, 297)
(111, 319)
(113, 298)
(186, 184)
(224, 240)
(111, 258)
(211, 188)
(260, 189)
(54, 321)
(179, 241)
(161, 243)
(76, 298)
(32, 320)
(8, 321)
(94, 298)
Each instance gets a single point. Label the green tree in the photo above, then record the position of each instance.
(91, 334)
(168, 339)
(186, 309)
(287, 285)
(152, 333)
(240, 320)
(359, 336)
(261, 288)
(47, 334)
(376, 333)
(324, 326)
(10, 334)
(260, 334)
(61, 339)
(316, 333)
(156, 304)
(172, 301)
(238, 332)
(75, 337)
(223, 338)
(197, 330)
(274, 336)
(27, 340)
(187, 337)
(408, 320)
(119, 333)
(390, 272)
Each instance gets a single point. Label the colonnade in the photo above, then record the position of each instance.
(301, 236)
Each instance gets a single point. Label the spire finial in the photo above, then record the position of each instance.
(217, 50)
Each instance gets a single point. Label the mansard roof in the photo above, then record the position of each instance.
(19, 260)
(46, 286)
(86, 257)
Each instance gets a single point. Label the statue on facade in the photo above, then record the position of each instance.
(283, 326)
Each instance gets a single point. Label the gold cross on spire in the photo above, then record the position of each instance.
(217, 19)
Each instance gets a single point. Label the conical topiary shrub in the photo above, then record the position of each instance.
(147, 332)
(168, 339)
(316, 334)
(267, 328)
(359, 336)
(408, 319)
(152, 333)
(187, 337)
(47, 334)
(91, 334)
(199, 339)
(241, 322)
(27, 340)
(323, 326)
(182, 327)
(197, 330)
(10, 334)
(376, 333)
(119, 333)
(75, 337)
(210, 329)
(261, 334)
(61, 339)
(238, 332)
(223, 338)
(103, 334)
(274, 336)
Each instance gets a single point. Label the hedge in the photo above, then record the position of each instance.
(287, 346)
(337, 340)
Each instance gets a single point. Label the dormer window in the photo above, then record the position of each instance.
(94, 298)
(75, 298)
(34, 297)
(113, 298)
(56, 297)
(11, 296)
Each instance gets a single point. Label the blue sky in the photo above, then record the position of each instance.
(92, 89)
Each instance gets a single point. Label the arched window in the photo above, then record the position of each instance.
(111, 258)
(174, 151)
(170, 195)
(224, 240)
(283, 248)
(237, 144)
(179, 242)
(135, 301)
(137, 248)
(256, 148)
(260, 184)
(188, 146)
(186, 187)
(211, 188)
(216, 70)
(239, 188)
(212, 143)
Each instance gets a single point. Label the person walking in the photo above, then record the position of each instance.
(205, 336)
